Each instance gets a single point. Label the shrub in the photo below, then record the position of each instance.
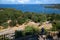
(12, 23)
(56, 26)
(21, 20)
(5, 25)
(30, 30)
(18, 34)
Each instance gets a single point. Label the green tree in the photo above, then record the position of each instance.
(56, 26)
(5, 25)
(18, 34)
(12, 23)
(30, 30)
(21, 20)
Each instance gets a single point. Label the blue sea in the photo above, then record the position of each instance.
(38, 8)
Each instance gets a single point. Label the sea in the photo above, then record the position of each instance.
(37, 8)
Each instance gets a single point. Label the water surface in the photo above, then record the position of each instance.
(39, 8)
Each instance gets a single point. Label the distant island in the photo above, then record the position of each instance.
(57, 6)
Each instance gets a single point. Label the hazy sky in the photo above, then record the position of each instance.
(29, 1)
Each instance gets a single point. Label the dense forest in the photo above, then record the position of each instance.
(20, 17)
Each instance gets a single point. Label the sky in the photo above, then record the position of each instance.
(29, 1)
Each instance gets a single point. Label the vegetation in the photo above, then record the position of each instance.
(29, 30)
(5, 25)
(18, 34)
(56, 26)
(56, 6)
(19, 17)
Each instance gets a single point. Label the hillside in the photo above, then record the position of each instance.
(12, 17)
(22, 27)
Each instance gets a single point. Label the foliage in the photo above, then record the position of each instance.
(12, 23)
(30, 30)
(56, 26)
(5, 25)
(21, 20)
(21, 17)
(18, 34)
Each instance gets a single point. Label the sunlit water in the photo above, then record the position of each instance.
(39, 8)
